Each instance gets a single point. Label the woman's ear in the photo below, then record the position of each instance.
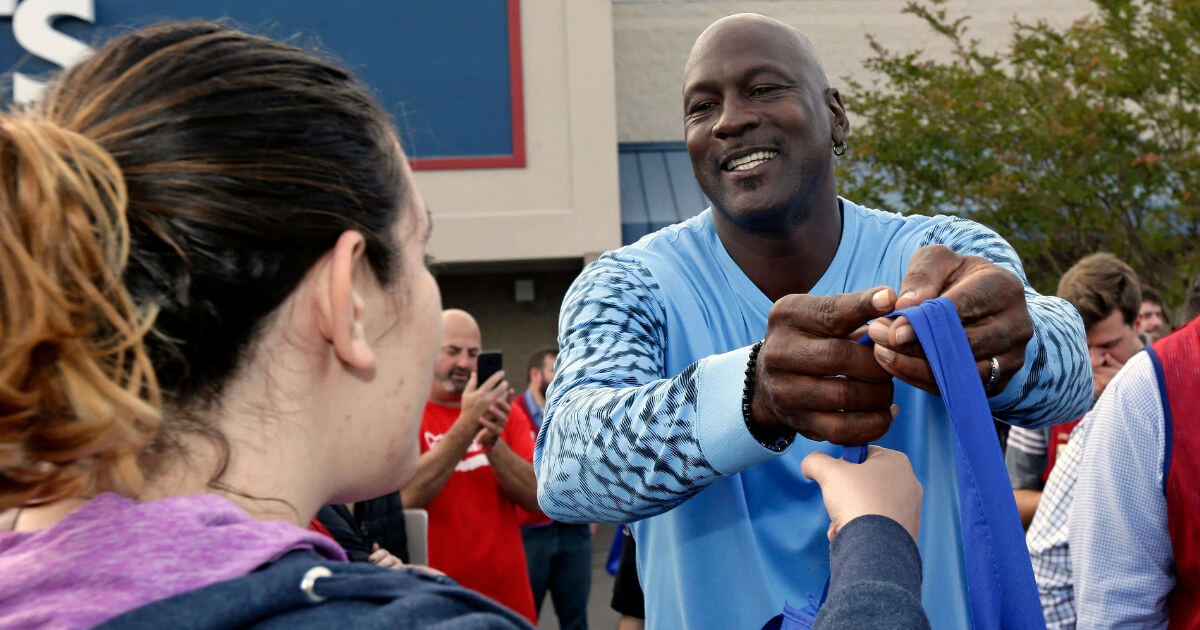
(345, 306)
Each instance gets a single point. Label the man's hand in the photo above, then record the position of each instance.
(484, 399)
(384, 558)
(884, 484)
(813, 378)
(493, 422)
(990, 301)
(1103, 372)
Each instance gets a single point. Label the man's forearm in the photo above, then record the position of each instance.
(437, 464)
(1060, 387)
(1027, 504)
(515, 476)
(614, 397)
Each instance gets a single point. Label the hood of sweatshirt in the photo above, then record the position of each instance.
(114, 554)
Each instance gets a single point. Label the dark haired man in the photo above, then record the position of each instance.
(540, 370)
(1152, 320)
(666, 412)
(1107, 294)
(559, 554)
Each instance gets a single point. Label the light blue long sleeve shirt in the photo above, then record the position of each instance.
(644, 419)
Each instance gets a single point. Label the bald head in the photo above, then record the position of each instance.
(760, 123)
(458, 358)
(734, 32)
(459, 323)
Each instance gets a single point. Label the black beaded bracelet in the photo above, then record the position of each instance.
(780, 443)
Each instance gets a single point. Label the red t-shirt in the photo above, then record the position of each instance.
(473, 532)
(1060, 434)
(524, 518)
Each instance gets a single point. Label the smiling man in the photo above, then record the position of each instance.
(1152, 317)
(696, 366)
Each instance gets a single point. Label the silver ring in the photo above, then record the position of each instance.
(993, 376)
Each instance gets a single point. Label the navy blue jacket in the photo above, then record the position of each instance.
(356, 595)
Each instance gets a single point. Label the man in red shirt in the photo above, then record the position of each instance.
(475, 469)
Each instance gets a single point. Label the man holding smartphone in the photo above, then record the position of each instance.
(475, 469)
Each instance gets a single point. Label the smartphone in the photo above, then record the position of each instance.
(490, 362)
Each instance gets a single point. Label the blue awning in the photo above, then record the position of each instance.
(657, 187)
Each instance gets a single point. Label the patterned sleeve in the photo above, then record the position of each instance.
(622, 439)
(1055, 384)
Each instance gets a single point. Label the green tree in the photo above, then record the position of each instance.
(1068, 142)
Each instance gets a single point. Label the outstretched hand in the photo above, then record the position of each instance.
(811, 376)
(884, 484)
(991, 304)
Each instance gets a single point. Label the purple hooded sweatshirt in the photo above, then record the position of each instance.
(114, 554)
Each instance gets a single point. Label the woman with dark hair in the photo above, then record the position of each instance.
(215, 318)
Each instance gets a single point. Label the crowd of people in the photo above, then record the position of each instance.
(225, 372)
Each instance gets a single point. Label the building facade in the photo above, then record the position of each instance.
(543, 132)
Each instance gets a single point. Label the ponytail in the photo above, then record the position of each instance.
(78, 395)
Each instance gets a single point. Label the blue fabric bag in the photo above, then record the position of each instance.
(1000, 587)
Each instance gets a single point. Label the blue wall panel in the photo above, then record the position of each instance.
(441, 68)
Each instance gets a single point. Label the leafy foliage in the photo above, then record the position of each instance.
(1069, 142)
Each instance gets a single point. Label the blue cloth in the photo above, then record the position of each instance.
(356, 595)
(612, 563)
(644, 419)
(535, 410)
(1000, 582)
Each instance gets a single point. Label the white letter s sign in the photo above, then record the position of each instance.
(32, 23)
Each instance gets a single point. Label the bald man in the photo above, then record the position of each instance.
(695, 365)
(474, 470)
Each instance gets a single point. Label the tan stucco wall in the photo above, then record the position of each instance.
(515, 328)
(652, 41)
(568, 197)
(566, 201)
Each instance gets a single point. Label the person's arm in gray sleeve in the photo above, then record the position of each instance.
(874, 579)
